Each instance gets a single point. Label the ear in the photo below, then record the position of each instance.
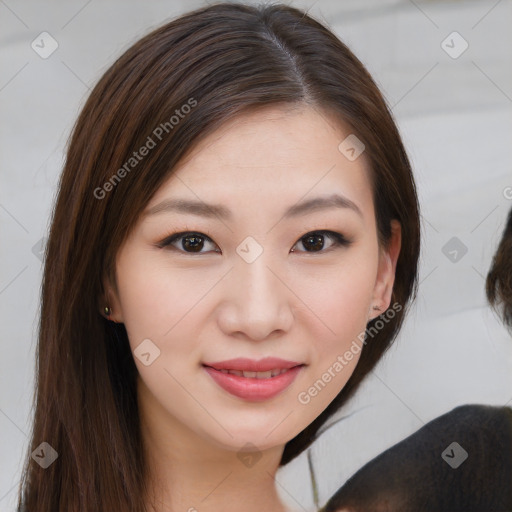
(388, 257)
(110, 298)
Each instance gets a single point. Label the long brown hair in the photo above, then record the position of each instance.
(498, 284)
(229, 59)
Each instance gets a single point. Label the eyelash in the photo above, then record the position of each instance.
(338, 240)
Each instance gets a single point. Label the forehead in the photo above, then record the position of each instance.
(269, 157)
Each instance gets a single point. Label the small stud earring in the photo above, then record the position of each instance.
(108, 311)
(376, 308)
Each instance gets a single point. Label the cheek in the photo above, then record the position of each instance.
(163, 305)
(157, 300)
(340, 302)
(345, 303)
(340, 297)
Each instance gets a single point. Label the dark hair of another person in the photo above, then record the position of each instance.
(426, 472)
(498, 285)
(231, 59)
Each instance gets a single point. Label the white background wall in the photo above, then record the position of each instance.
(455, 118)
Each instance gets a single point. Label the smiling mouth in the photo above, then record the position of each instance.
(254, 386)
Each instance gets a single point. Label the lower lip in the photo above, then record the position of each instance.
(252, 389)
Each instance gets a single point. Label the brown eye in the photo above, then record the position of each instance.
(315, 241)
(188, 242)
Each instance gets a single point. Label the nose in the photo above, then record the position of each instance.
(257, 301)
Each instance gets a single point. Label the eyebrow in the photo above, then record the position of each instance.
(203, 209)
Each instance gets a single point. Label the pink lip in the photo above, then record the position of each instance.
(253, 389)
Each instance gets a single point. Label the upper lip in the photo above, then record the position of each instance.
(252, 365)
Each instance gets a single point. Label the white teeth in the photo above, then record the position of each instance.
(257, 375)
(263, 375)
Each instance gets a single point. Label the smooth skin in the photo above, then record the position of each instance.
(305, 301)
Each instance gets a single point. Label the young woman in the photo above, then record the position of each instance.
(233, 248)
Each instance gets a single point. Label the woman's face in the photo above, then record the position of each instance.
(246, 282)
